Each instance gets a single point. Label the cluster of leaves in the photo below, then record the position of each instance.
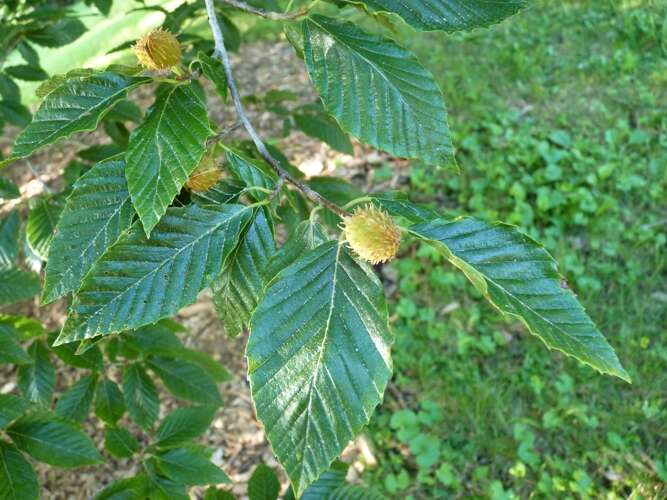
(133, 247)
(504, 416)
(24, 25)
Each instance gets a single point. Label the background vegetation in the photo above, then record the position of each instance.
(560, 120)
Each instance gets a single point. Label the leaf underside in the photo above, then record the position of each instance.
(521, 279)
(319, 359)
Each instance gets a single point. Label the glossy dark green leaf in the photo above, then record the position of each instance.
(9, 239)
(318, 358)
(17, 285)
(263, 484)
(139, 280)
(42, 221)
(325, 129)
(447, 15)
(27, 73)
(96, 214)
(407, 210)
(355, 492)
(76, 105)
(120, 442)
(141, 396)
(239, 287)
(213, 70)
(521, 279)
(185, 380)
(164, 150)
(100, 152)
(75, 402)
(162, 487)
(18, 480)
(215, 494)
(109, 401)
(54, 441)
(377, 91)
(190, 466)
(11, 408)
(307, 236)
(184, 424)
(328, 482)
(37, 379)
(124, 111)
(62, 32)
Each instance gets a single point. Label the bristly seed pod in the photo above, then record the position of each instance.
(158, 50)
(205, 176)
(372, 234)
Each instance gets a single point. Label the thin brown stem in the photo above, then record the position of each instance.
(221, 53)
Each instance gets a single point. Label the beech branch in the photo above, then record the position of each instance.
(221, 53)
(267, 14)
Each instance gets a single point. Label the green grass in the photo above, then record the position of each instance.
(560, 120)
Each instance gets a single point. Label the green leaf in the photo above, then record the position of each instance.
(141, 396)
(18, 480)
(42, 220)
(75, 402)
(325, 129)
(17, 285)
(109, 402)
(307, 236)
(15, 113)
(20, 327)
(377, 90)
(263, 484)
(355, 492)
(521, 279)
(252, 173)
(185, 380)
(239, 287)
(190, 466)
(214, 494)
(131, 488)
(8, 188)
(54, 441)
(27, 73)
(447, 15)
(140, 280)
(91, 359)
(11, 408)
(11, 352)
(9, 239)
(213, 70)
(37, 379)
(184, 424)
(96, 214)
(76, 105)
(62, 32)
(407, 210)
(29, 54)
(318, 358)
(9, 90)
(120, 442)
(161, 487)
(328, 482)
(164, 150)
(124, 111)
(104, 6)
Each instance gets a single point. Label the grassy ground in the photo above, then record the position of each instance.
(560, 119)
